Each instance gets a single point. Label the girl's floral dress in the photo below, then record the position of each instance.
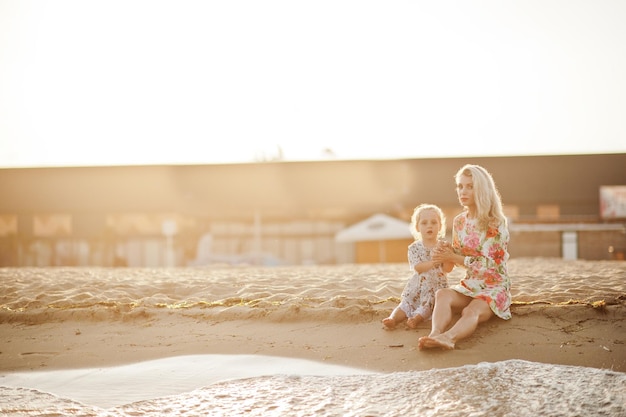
(418, 296)
(486, 277)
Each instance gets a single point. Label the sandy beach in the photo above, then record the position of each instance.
(173, 331)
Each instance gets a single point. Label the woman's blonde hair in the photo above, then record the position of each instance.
(489, 210)
(415, 219)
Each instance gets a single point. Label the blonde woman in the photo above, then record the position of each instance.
(480, 240)
(428, 227)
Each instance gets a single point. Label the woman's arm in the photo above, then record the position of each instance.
(447, 266)
(445, 255)
(494, 251)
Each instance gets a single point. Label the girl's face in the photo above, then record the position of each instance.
(465, 191)
(429, 224)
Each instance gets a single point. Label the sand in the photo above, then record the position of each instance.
(114, 337)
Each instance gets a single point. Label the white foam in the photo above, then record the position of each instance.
(294, 387)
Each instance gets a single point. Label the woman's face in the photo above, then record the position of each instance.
(465, 191)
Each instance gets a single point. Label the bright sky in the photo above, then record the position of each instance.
(110, 82)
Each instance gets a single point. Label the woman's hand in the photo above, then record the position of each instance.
(443, 252)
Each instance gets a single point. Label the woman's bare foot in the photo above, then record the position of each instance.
(436, 341)
(389, 323)
(413, 322)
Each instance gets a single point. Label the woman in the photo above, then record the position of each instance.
(480, 239)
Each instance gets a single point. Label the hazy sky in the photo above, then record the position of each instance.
(156, 82)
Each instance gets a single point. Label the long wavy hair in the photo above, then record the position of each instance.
(489, 210)
(415, 219)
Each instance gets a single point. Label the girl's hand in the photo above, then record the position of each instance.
(442, 245)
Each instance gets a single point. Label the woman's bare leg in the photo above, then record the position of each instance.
(446, 301)
(477, 311)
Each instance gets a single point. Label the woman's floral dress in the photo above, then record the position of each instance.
(487, 276)
(418, 296)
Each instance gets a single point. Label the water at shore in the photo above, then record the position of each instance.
(505, 388)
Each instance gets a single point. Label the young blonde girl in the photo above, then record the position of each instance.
(428, 227)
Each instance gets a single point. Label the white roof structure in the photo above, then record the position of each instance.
(375, 228)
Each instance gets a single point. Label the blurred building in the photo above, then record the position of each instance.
(275, 213)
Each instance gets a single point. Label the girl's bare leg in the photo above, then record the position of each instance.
(396, 316)
(413, 322)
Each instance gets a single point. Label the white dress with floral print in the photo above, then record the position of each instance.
(486, 276)
(418, 296)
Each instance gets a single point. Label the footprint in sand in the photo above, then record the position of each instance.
(39, 353)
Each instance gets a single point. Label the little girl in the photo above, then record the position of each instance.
(428, 226)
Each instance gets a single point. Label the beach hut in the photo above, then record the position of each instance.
(379, 238)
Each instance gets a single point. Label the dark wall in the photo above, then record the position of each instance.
(324, 190)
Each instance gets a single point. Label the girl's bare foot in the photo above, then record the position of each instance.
(389, 323)
(413, 322)
(436, 341)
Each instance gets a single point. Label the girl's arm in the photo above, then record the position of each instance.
(424, 266)
(417, 262)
